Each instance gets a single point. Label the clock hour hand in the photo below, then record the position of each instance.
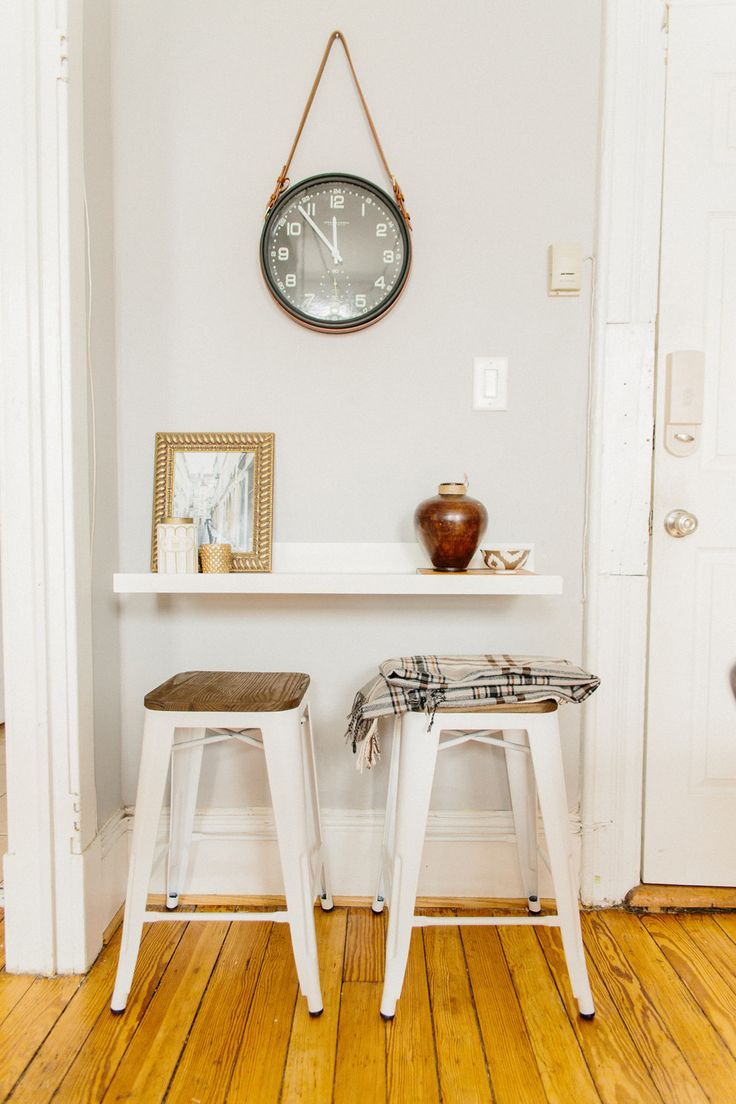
(334, 236)
(333, 250)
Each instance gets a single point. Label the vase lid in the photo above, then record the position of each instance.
(452, 488)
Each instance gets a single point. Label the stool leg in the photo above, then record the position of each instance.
(185, 770)
(310, 775)
(417, 759)
(158, 736)
(282, 744)
(524, 807)
(544, 741)
(387, 847)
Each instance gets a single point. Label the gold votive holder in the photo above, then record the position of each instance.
(215, 558)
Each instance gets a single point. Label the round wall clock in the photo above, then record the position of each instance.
(335, 252)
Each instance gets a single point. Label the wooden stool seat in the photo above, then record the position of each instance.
(546, 706)
(229, 692)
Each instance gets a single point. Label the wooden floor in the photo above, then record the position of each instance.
(486, 1015)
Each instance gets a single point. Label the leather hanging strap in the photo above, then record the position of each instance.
(283, 178)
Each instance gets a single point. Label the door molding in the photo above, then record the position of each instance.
(54, 854)
(621, 439)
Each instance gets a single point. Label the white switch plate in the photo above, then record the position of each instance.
(490, 383)
(564, 269)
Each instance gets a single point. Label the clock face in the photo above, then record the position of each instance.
(335, 252)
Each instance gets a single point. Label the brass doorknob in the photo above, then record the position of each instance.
(680, 523)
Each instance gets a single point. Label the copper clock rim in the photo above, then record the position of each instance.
(354, 324)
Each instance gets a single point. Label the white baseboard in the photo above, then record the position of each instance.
(114, 838)
(467, 854)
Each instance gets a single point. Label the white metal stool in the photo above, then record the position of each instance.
(267, 711)
(534, 764)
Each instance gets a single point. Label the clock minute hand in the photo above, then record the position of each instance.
(335, 255)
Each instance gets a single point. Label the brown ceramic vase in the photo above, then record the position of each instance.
(450, 527)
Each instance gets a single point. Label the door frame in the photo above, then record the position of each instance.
(621, 435)
(52, 870)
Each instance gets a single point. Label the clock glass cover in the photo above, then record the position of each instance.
(335, 252)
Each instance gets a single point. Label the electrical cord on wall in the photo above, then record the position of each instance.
(588, 425)
(90, 378)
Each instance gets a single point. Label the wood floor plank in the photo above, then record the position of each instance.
(711, 1062)
(149, 1062)
(94, 1066)
(561, 1064)
(360, 1068)
(259, 1067)
(713, 994)
(646, 1021)
(618, 1070)
(205, 1068)
(716, 945)
(365, 949)
(411, 1066)
(24, 1030)
(511, 1062)
(2, 943)
(496, 1002)
(59, 1049)
(13, 988)
(461, 1061)
(310, 1061)
(727, 922)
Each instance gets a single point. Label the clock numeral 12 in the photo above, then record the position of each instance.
(337, 201)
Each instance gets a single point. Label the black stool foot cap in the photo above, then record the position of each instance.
(330, 909)
(375, 911)
(387, 1018)
(117, 1011)
(587, 1015)
(315, 1014)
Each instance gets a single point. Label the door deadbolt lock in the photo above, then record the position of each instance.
(680, 523)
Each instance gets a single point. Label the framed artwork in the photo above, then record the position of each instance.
(224, 481)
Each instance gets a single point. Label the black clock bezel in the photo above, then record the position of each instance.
(349, 325)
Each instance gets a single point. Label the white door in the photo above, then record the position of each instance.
(690, 792)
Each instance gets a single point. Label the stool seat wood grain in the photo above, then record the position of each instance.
(229, 692)
(546, 706)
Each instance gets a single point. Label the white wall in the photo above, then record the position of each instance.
(488, 116)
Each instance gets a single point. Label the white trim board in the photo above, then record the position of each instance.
(621, 435)
(44, 489)
(467, 853)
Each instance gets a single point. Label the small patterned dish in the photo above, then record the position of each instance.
(504, 559)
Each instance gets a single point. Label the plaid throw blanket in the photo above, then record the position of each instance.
(420, 684)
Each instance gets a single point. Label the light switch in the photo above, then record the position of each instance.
(564, 270)
(490, 383)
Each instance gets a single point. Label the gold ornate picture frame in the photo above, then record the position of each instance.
(225, 482)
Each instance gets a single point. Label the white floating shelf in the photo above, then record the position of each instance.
(337, 583)
(344, 569)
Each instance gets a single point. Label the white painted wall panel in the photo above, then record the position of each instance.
(494, 167)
